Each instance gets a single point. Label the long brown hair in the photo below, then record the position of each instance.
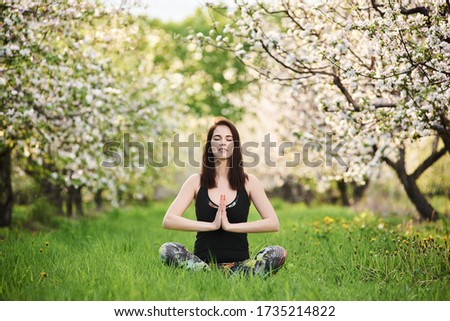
(236, 174)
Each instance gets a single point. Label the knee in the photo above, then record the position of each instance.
(270, 259)
(164, 247)
(273, 251)
(280, 251)
(168, 250)
(171, 246)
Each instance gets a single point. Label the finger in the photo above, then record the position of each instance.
(224, 203)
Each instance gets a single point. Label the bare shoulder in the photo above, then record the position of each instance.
(252, 179)
(192, 183)
(252, 183)
(194, 177)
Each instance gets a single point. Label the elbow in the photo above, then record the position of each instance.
(166, 223)
(275, 226)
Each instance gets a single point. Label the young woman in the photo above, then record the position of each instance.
(222, 193)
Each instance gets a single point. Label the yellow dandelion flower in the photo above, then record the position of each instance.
(46, 244)
(373, 239)
(327, 220)
(345, 226)
(43, 274)
(41, 250)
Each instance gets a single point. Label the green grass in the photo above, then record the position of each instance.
(333, 254)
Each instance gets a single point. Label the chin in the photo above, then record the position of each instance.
(223, 157)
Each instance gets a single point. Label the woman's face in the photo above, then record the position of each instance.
(222, 142)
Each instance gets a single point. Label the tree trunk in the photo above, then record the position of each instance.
(6, 192)
(98, 199)
(424, 208)
(69, 201)
(53, 193)
(342, 187)
(119, 197)
(78, 201)
(58, 198)
(426, 211)
(358, 191)
(446, 140)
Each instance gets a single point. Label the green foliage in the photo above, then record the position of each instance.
(220, 73)
(333, 254)
(44, 213)
(25, 189)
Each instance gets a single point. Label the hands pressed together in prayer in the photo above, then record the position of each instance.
(221, 220)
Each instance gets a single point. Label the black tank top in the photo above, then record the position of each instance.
(221, 246)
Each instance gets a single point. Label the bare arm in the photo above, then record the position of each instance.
(173, 219)
(269, 221)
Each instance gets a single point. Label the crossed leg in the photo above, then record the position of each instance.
(267, 261)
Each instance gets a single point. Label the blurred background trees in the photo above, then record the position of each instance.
(91, 94)
(373, 73)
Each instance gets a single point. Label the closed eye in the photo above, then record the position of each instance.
(228, 138)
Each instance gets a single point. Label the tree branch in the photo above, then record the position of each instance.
(266, 49)
(376, 6)
(385, 105)
(428, 162)
(369, 67)
(422, 10)
(294, 20)
(389, 162)
(344, 91)
(442, 130)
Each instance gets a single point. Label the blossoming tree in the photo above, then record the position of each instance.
(378, 71)
(55, 95)
(64, 96)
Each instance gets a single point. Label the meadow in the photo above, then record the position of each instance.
(333, 254)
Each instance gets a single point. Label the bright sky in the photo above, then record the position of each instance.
(166, 10)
